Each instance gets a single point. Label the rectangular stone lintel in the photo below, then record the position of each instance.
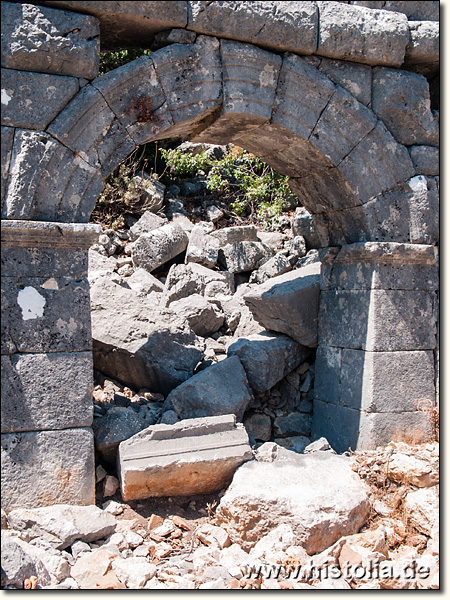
(45, 234)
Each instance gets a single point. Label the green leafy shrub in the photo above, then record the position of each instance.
(118, 58)
(184, 164)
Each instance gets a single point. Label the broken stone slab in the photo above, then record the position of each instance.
(150, 191)
(402, 100)
(64, 522)
(33, 100)
(202, 248)
(203, 316)
(173, 36)
(289, 304)
(148, 222)
(359, 34)
(233, 235)
(221, 389)
(242, 256)
(143, 282)
(118, 424)
(304, 225)
(99, 265)
(259, 427)
(153, 249)
(267, 357)
(317, 494)
(422, 509)
(405, 469)
(19, 565)
(422, 51)
(276, 265)
(194, 456)
(184, 280)
(138, 344)
(36, 38)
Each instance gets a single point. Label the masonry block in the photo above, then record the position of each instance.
(33, 100)
(42, 468)
(135, 96)
(377, 320)
(46, 391)
(425, 159)
(356, 78)
(281, 26)
(194, 456)
(422, 51)
(190, 76)
(362, 35)
(376, 164)
(7, 138)
(402, 100)
(302, 94)
(342, 125)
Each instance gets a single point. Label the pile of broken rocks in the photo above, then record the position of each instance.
(366, 521)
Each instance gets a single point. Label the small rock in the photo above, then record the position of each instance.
(165, 529)
(79, 547)
(134, 572)
(213, 536)
(113, 507)
(100, 473)
(319, 445)
(110, 486)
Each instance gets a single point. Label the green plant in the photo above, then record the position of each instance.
(117, 58)
(184, 164)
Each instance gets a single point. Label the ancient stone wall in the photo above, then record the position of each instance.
(315, 89)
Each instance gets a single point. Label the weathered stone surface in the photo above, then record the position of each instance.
(202, 248)
(317, 494)
(33, 100)
(47, 182)
(184, 280)
(6, 147)
(41, 39)
(241, 256)
(46, 391)
(221, 389)
(425, 159)
(195, 456)
(277, 265)
(422, 509)
(148, 222)
(415, 10)
(354, 77)
(402, 100)
(267, 357)
(37, 470)
(136, 343)
(302, 93)
(392, 382)
(173, 36)
(349, 428)
(377, 320)
(376, 164)
(134, 572)
(304, 224)
(118, 424)
(289, 304)
(65, 522)
(18, 565)
(259, 426)
(294, 424)
(422, 51)
(234, 235)
(134, 94)
(191, 78)
(203, 316)
(100, 265)
(413, 470)
(273, 240)
(343, 123)
(374, 37)
(59, 305)
(155, 248)
(143, 282)
(92, 570)
(291, 26)
(123, 24)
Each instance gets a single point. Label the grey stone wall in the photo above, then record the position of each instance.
(330, 108)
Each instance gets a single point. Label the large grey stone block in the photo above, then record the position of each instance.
(302, 94)
(221, 389)
(388, 265)
(377, 320)
(422, 51)
(190, 76)
(267, 357)
(356, 78)
(46, 391)
(153, 249)
(41, 39)
(90, 129)
(242, 256)
(194, 456)
(425, 159)
(415, 10)
(41, 468)
(135, 96)
(138, 344)
(48, 182)
(118, 424)
(184, 280)
(124, 23)
(355, 33)
(281, 26)
(376, 164)
(402, 100)
(33, 100)
(343, 123)
(289, 304)
(45, 315)
(338, 424)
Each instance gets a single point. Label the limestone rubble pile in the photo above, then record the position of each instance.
(187, 543)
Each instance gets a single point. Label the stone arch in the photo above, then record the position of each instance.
(340, 156)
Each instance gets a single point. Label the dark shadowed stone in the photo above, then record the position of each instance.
(118, 424)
